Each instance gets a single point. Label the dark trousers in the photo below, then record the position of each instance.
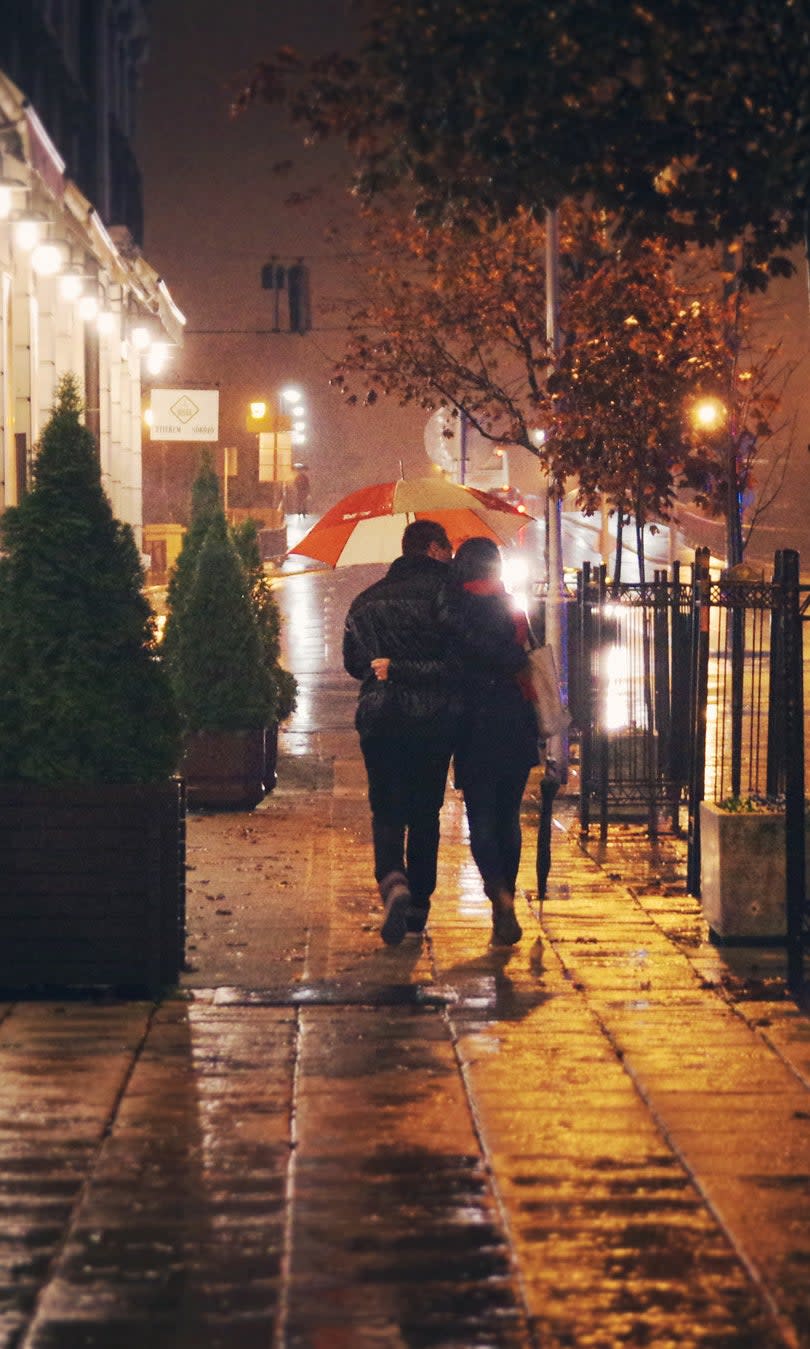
(492, 801)
(406, 783)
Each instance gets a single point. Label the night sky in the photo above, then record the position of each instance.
(215, 212)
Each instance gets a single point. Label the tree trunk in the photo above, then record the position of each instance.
(642, 570)
(617, 570)
(650, 766)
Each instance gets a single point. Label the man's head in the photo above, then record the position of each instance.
(426, 538)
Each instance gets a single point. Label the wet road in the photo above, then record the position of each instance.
(599, 1138)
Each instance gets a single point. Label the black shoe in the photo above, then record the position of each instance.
(397, 900)
(416, 917)
(395, 926)
(506, 929)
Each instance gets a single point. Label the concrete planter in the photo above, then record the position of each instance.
(225, 770)
(742, 872)
(92, 890)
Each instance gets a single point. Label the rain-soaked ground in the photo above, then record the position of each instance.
(599, 1138)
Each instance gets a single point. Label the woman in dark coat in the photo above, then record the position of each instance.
(497, 744)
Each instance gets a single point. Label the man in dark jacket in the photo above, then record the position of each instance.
(407, 712)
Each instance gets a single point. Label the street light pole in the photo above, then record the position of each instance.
(556, 613)
(710, 414)
(276, 484)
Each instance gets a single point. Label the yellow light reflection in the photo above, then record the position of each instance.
(617, 686)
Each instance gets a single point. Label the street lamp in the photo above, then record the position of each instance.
(278, 428)
(708, 414)
(711, 415)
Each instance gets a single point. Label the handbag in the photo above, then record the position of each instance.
(553, 716)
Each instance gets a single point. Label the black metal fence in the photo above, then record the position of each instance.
(632, 659)
(688, 688)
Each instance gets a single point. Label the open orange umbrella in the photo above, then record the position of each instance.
(367, 525)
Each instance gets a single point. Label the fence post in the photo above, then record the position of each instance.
(602, 748)
(697, 704)
(793, 730)
(586, 678)
(737, 659)
(774, 770)
(680, 619)
(663, 690)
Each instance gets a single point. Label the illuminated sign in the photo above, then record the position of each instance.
(185, 414)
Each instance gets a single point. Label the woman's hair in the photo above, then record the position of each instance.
(476, 560)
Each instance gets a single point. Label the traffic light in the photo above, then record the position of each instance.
(273, 276)
(298, 296)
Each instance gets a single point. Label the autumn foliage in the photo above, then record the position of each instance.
(448, 316)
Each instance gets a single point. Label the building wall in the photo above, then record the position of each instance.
(68, 78)
(79, 62)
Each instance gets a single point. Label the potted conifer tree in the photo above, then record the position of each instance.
(222, 651)
(224, 691)
(205, 504)
(91, 814)
(268, 618)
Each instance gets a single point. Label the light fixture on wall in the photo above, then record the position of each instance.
(87, 307)
(71, 285)
(140, 336)
(10, 193)
(29, 227)
(48, 257)
(157, 357)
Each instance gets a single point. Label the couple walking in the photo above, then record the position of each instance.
(441, 657)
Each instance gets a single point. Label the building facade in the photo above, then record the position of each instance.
(76, 295)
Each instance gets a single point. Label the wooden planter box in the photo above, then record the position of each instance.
(271, 757)
(92, 886)
(225, 770)
(742, 872)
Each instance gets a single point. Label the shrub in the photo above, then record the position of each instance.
(204, 506)
(83, 697)
(219, 676)
(751, 805)
(268, 618)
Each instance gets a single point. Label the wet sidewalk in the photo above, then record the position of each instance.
(598, 1138)
(601, 1137)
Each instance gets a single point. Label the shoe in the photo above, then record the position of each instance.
(506, 929)
(416, 917)
(395, 925)
(397, 899)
